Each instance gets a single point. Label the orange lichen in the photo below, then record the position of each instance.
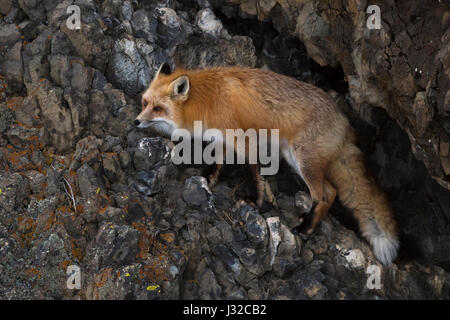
(155, 272)
(17, 158)
(27, 228)
(77, 252)
(63, 265)
(64, 209)
(80, 208)
(12, 103)
(168, 237)
(103, 210)
(51, 221)
(33, 272)
(101, 277)
(72, 173)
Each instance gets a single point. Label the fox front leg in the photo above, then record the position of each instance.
(260, 184)
(214, 178)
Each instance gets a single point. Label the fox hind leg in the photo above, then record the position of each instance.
(312, 171)
(322, 207)
(322, 193)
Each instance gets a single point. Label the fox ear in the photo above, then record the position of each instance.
(164, 69)
(179, 88)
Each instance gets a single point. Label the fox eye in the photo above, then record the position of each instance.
(157, 109)
(144, 103)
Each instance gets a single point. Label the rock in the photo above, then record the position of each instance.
(21, 137)
(77, 96)
(196, 193)
(209, 24)
(12, 68)
(54, 183)
(144, 25)
(170, 29)
(286, 253)
(256, 227)
(151, 153)
(208, 287)
(126, 11)
(60, 69)
(87, 181)
(313, 289)
(58, 15)
(36, 66)
(114, 245)
(14, 188)
(109, 142)
(147, 183)
(355, 258)
(5, 6)
(228, 258)
(26, 112)
(9, 34)
(109, 113)
(273, 224)
(127, 69)
(111, 167)
(125, 160)
(61, 45)
(91, 44)
(310, 36)
(57, 117)
(86, 152)
(239, 50)
(37, 181)
(34, 9)
(289, 212)
(6, 118)
(99, 81)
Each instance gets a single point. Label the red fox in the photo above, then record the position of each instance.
(316, 138)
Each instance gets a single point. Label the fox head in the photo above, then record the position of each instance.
(162, 102)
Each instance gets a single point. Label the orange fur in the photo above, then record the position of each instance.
(316, 139)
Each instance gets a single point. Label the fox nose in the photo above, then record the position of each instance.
(137, 122)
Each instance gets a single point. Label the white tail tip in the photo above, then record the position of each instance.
(384, 247)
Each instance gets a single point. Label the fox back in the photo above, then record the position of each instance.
(237, 97)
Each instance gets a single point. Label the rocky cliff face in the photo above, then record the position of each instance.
(79, 185)
(401, 67)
